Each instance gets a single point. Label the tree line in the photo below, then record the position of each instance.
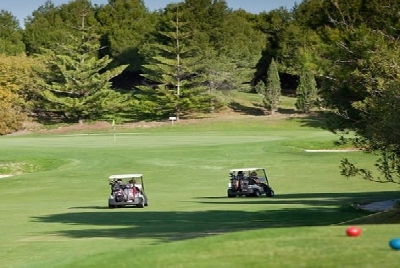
(79, 61)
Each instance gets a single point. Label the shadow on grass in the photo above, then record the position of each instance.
(249, 110)
(288, 111)
(176, 225)
(314, 120)
(91, 207)
(180, 225)
(309, 199)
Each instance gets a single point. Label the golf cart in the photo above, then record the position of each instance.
(249, 182)
(127, 190)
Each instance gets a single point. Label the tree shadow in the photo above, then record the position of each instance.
(287, 111)
(53, 117)
(248, 110)
(315, 120)
(321, 210)
(176, 225)
(309, 199)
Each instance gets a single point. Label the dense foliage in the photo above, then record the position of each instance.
(15, 91)
(10, 35)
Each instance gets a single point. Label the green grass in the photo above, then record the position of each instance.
(56, 215)
(250, 98)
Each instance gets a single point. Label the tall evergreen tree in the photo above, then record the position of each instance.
(306, 92)
(78, 82)
(176, 89)
(271, 90)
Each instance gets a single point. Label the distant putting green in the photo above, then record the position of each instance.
(54, 207)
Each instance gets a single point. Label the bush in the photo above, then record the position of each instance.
(11, 119)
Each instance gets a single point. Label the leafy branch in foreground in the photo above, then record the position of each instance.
(361, 87)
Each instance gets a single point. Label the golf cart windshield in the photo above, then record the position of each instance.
(247, 172)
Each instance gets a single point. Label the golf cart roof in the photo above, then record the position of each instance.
(245, 169)
(125, 176)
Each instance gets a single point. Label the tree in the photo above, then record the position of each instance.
(293, 40)
(272, 24)
(242, 43)
(125, 26)
(10, 35)
(306, 92)
(77, 83)
(360, 83)
(16, 87)
(50, 25)
(271, 90)
(44, 29)
(174, 87)
(230, 37)
(11, 114)
(216, 71)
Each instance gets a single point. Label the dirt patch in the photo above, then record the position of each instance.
(33, 127)
(101, 125)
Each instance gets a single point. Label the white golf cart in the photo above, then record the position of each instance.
(249, 182)
(127, 190)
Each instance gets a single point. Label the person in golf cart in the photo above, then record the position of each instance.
(254, 176)
(131, 185)
(240, 175)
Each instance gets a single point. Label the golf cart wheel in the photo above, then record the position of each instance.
(230, 194)
(256, 193)
(142, 204)
(271, 193)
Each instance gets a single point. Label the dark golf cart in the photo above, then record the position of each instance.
(249, 182)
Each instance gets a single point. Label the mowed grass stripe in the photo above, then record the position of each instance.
(142, 141)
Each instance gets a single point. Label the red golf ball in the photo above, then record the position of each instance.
(353, 231)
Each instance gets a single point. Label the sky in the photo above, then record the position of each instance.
(24, 8)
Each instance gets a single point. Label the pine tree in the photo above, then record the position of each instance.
(78, 82)
(177, 88)
(261, 89)
(271, 90)
(306, 92)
